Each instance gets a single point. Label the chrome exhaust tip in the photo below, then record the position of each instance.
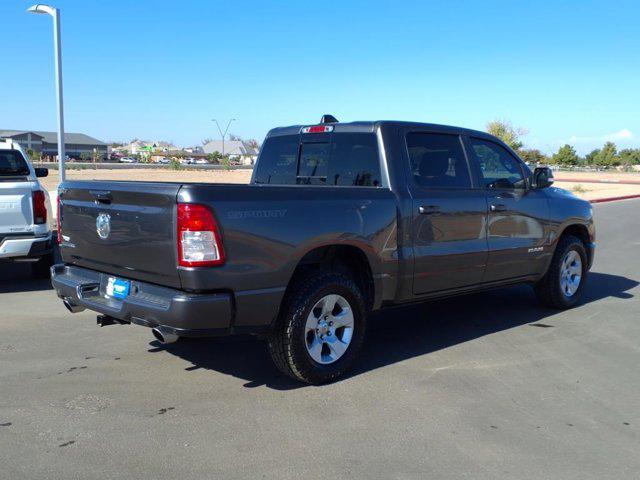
(164, 336)
(72, 306)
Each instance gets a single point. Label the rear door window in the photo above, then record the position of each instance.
(12, 164)
(438, 160)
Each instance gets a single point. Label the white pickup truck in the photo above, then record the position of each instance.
(25, 211)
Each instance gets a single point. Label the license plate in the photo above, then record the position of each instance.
(118, 288)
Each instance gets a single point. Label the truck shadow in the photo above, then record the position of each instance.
(18, 277)
(399, 333)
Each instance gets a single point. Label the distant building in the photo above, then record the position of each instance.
(76, 144)
(235, 149)
(197, 149)
(144, 147)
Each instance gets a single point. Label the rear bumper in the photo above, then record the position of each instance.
(182, 313)
(25, 247)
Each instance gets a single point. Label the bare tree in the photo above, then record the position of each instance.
(253, 143)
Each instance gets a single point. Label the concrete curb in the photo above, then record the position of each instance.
(590, 180)
(614, 199)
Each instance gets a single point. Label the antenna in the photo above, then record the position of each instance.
(326, 118)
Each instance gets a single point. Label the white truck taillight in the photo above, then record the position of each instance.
(59, 219)
(39, 207)
(199, 239)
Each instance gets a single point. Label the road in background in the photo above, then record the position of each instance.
(485, 386)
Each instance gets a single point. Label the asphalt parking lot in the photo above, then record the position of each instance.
(486, 386)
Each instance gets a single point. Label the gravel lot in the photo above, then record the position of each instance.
(492, 386)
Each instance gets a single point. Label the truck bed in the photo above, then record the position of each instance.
(266, 231)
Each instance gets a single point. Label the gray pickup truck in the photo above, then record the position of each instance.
(340, 219)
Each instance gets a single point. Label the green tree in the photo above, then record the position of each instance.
(590, 158)
(608, 156)
(506, 132)
(566, 156)
(533, 156)
(630, 156)
(214, 157)
(33, 155)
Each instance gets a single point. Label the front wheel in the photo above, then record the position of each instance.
(320, 330)
(563, 283)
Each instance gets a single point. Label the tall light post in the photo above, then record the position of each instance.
(57, 47)
(225, 131)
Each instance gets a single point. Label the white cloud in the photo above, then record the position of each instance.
(624, 134)
(583, 145)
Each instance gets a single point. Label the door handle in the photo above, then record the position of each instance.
(498, 207)
(427, 209)
(101, 196)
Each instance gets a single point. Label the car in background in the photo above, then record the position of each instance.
(164, 161)
(128, 160)
(202, 161)
(25, 211)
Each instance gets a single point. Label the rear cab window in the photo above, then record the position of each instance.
(331, 159)
(13, 164)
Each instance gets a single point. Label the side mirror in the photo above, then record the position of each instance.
(542, 177)
(41, 172)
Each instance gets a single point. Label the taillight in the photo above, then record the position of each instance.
(59, 220)
(39, 207)
(199, 239)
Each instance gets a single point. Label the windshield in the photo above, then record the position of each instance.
(12, 164)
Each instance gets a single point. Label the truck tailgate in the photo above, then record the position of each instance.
(16, 212)
(123, 228)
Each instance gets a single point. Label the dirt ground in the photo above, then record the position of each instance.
(187, 176)
(588, 191)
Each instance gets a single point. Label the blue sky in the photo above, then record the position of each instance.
(566, 70)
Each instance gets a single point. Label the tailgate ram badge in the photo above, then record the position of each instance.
(103, 225)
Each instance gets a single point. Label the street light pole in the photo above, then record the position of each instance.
(225, 131)
(57, 50)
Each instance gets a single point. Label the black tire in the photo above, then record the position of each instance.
(287, 343)
(42, 268)
(548, 289)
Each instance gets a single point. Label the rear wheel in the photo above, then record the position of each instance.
(563, 283)
(320, 330)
